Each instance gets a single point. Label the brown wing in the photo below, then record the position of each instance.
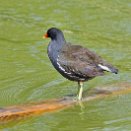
(80, 61)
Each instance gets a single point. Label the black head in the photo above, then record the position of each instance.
(54, 33)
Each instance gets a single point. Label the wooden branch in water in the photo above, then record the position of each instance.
(20, 111)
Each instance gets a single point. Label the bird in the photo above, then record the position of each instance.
(75, 62)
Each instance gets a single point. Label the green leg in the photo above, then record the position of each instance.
(80, 90)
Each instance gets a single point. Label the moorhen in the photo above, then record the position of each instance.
(75, 62)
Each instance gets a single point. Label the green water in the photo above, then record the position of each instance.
(26, 74)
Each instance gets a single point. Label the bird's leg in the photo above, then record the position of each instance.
(80, 90)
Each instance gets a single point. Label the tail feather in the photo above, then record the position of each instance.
(108, 68)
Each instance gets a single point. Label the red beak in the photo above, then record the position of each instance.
(45, 36)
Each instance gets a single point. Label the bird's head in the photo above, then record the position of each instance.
(54, 34)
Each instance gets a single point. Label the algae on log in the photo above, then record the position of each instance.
(21, 111)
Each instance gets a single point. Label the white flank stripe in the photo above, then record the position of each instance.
(104, 67)
(62, 67)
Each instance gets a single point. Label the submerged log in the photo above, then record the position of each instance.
(21, 111)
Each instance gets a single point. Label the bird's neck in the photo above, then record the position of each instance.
(58, 42)
(60, 38)
(55, 47)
